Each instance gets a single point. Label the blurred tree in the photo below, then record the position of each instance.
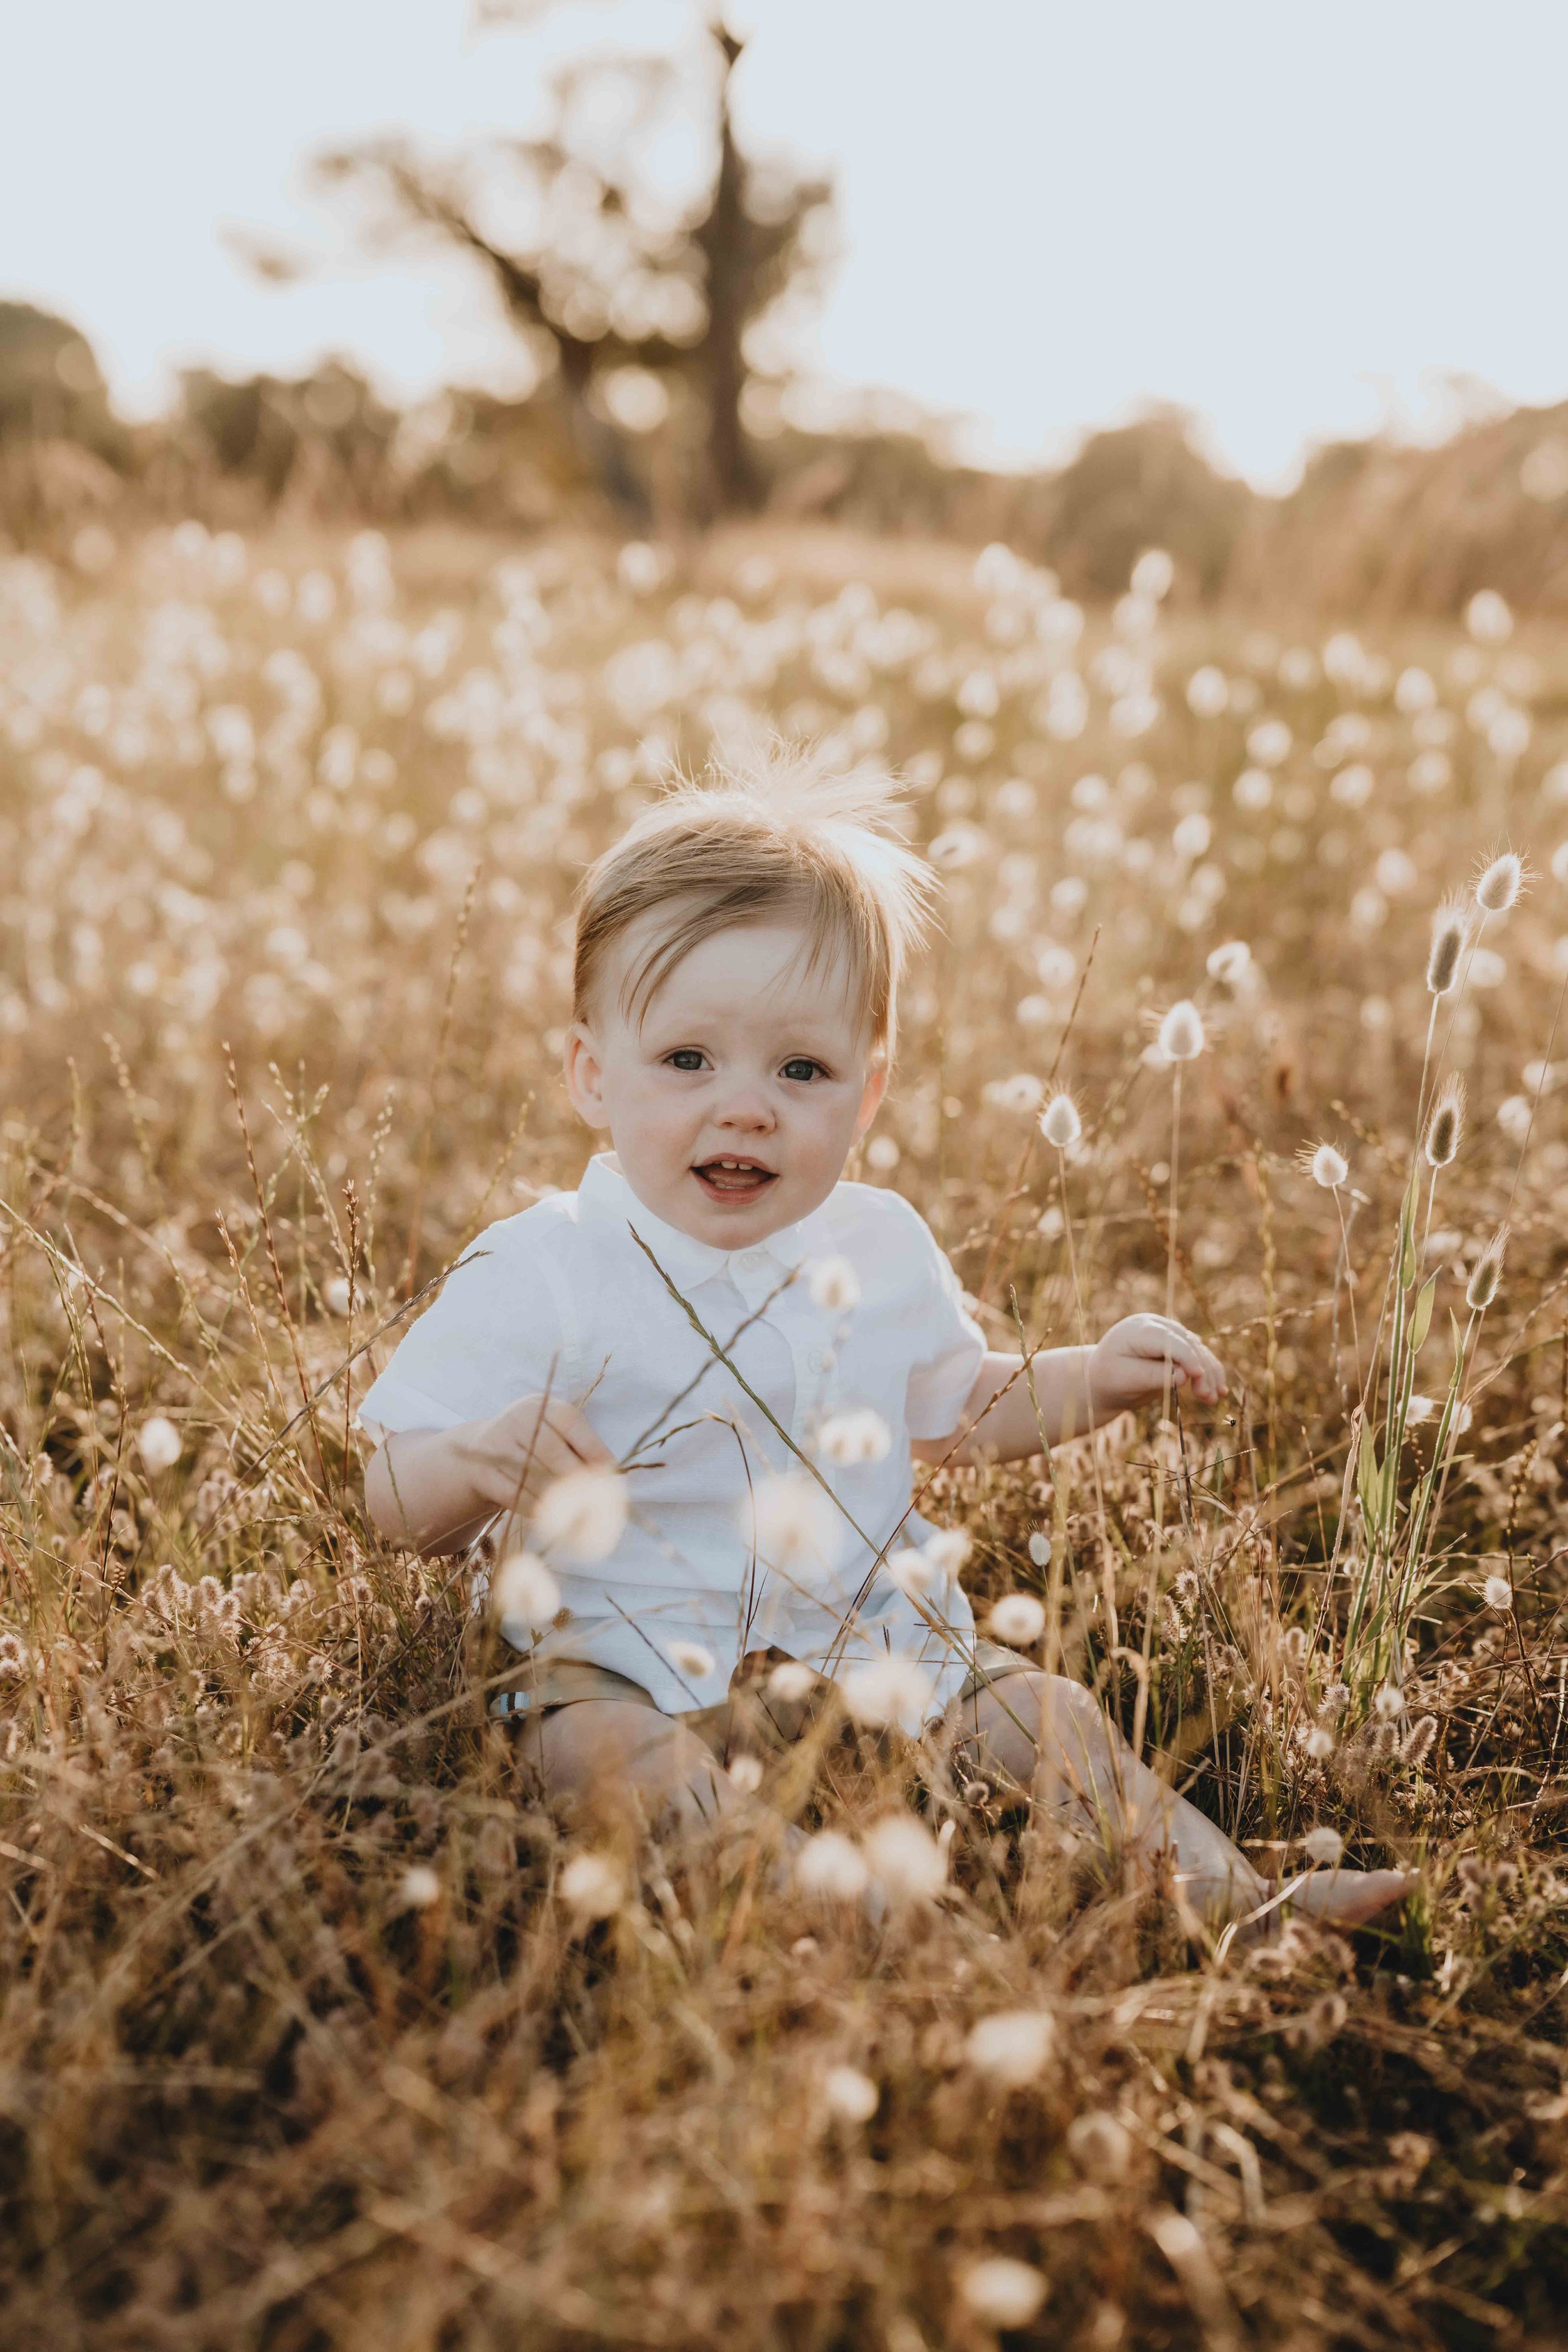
(621, 292)
(51, 387)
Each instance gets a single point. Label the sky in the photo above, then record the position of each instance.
(1299, 218)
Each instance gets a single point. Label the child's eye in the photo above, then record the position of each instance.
(801, 1067)
(684, 1057)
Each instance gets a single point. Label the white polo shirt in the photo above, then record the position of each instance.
(561, 1300)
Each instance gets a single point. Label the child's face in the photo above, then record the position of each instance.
(733, 1105)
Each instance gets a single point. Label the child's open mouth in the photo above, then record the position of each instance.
(734, 1179)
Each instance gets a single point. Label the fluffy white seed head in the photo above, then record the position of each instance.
(1059, 1122)
(1330, 1167)
(1317, 1741)
(1012, 2047)
(1229, 964)
(1497, 1593)
(1389, 1703)
(1449, 926)
(582, 1514)
(1500, 883)
(524, 1593)
(848, 1439)
(850, 2095)
(909, 1571)
(790, 1681)
(947, 1549)
(1018, 1619)
(1483, 1287)
(1001, 2292)
(417, 1888)
(1021, 1094)
(834, 1284)
(829, 1867)
(690, 1660)
(592, 1886)
(888, 1691)
(904, 1859)
(1323, 1846)
(1446, 1124)
(1181, 1034)
(746, 1773)
(158, 1443)
(797, 1527)
(1040, 1548)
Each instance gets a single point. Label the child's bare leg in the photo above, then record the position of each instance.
(1052, 1738)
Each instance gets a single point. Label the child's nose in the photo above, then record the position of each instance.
(748, 1108)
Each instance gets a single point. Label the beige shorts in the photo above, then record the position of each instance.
(750, 1715)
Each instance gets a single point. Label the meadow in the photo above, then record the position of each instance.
(318, 2030)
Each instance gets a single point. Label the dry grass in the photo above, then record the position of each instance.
(261, 2086)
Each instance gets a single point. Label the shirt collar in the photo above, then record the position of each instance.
(603, 1196)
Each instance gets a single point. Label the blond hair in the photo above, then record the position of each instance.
(772, 836)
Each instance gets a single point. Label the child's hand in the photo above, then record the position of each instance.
(514, 1456)
(1127, 1366)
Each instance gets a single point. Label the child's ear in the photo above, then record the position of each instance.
(871, 1101)
(584, 1075)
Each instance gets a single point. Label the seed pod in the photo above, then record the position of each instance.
(1501, 884)
(1446, 1124)
(1448, 945)
(1482, 1288)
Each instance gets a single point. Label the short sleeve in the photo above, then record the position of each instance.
(496, 1331)
(950, 1347)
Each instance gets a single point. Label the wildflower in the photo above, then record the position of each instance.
(796, 1523)
(1448, 928)
(850, 2095)
(419, 1888)
(1040, 1548)
(1012, 2046)
(1230, 963)
(834, 1284)
(947, 1549)
(1330, 1167)
(850, 1438)
(1499, 884)
(1180, 1036)
(1497, 1593)
(1003, 2293)
(523, 1592)
(592, 1887)
(829, 1866)
(1100, 2146)
(1323, 1847)
(888, 1691)
(158, 1443)
(582, 1514)
(904, 1859)
(1018, 1619)
(1389, 1704)
(691, 1660)
(1059, 1122)
(1446, 1123)
(1483, 1287)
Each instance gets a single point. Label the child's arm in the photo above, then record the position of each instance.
(434, 1490)
(1076, 1389)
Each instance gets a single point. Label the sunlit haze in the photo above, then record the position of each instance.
(1295, 220)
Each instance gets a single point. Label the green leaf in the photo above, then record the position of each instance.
(1369, 1484)
(1422, 1322)
(1407, 1239)
(1459, 1342)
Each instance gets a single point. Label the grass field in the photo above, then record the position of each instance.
(306, 2041)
